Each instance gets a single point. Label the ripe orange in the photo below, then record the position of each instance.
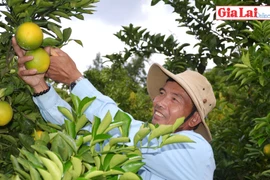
(6, 113)
(29, 36)
(37, 134)
(266, 150)
(40, 61)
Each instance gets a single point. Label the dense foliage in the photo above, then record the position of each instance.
(47, 14)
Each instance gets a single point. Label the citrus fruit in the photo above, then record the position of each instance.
(40, 61)
(37, 134)
(6, 113)
(29, 36)
(266, 150)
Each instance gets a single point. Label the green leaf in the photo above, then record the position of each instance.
(55, 18)
(66, 112)
(100, 138)
(129, 175)
(117, 140)
(93, 173)
(123, 117)
(41, 149)
(113, 125)
(84, 104)
(79, 16)
(61, 147)
(95, 126)
(66, 34)
(78, 41)
(31, 158)
(240, 72)
(245, 59)
(9, 138)
(34, 173)
(178, 123)
(107, 160)
(133, 167)
(25, 164)
(81, 122)
(14, 2)
(27, 141)
(104, 123)
(70, 128)
(8, 15)
(176, 138)
(140, 135)
(117, 160)
(262, 80)
(75, 101)
(61, 14)
(50, 42)
(114, 172)
(159, 131)
(71, 142)
(56, 30)
(87, 138)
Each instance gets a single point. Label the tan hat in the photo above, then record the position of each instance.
(195, 84)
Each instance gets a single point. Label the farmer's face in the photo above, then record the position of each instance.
(172, 103)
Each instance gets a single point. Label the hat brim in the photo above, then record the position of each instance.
(156, 79)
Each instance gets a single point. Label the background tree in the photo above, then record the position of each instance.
(125, 84)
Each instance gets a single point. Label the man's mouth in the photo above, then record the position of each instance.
(158, 114)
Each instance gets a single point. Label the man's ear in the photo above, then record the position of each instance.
(194, 120)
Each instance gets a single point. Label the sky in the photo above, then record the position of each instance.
(97, 30)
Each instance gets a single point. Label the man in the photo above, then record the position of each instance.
(187, 94)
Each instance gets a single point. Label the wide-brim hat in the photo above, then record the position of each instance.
(195, 84)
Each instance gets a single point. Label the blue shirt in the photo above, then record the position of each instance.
(178, 161)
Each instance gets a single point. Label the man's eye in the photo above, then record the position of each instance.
(175, 99)
(161, 92)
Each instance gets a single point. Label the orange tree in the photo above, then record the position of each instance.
(47, 14)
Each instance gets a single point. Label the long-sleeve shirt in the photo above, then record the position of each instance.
(178, 161)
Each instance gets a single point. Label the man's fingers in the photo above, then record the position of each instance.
(23, 60)
(48, 50)
(58, 52)
(18, 50)
(29, 72)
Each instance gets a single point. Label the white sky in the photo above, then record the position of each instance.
(96, 31)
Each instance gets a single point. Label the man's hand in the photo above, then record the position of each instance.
(36, 81)
(62, 68)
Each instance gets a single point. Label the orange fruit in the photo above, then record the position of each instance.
(266, 150)
(6, 113)
(29, 36)
(37, 134)
(40, 61)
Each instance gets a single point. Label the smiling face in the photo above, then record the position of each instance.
(172, 103)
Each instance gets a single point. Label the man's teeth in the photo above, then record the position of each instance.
(159, 114)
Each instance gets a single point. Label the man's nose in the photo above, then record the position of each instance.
(161, 102)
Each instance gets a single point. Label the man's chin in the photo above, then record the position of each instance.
(157, 121)
(154, 121)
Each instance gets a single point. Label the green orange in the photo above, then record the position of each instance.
(40, 61)
(266, 150)
(6, 113)
(29, 36)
